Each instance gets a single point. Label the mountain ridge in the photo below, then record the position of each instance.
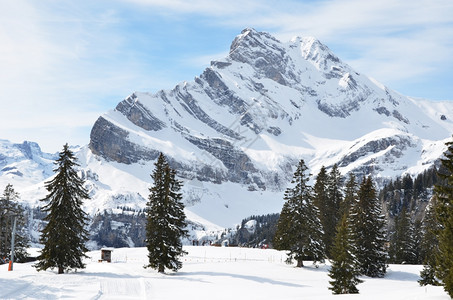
(235, 87)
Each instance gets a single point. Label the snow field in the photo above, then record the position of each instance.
(207, 273)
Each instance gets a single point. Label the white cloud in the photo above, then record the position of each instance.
(204, 60)
(201, 7)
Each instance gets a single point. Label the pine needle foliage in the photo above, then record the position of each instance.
(350, 195)
(444, 214)
(64, 236)
(322, 202)
(403, 240)
(344, 271)
(166, 220)
(367, 227)
(335, 198)
(299, 229)
(430, 246)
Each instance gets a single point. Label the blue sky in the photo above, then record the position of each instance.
(64, 63)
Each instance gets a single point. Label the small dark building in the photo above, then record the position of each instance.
(106, 255)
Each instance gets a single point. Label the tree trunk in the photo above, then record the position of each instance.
(161, 269)
(300, 263)
(60, 270)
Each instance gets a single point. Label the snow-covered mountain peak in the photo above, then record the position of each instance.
(250, 39)
(262, 92)
(320, 55)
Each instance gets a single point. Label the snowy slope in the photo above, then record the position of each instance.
(207, 273)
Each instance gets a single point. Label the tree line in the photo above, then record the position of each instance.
(344, 222)
(328, 221)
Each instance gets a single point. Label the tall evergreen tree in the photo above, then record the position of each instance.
(335, 198)
(321, 201)
(344, 271)
(367, 228)
(418, 236)
(327, 197)
(64, 236)
(444, 214)
(299, 229)
(166, 220)
(350, 195)
(10, 209)
(402, 243)
(429, 245)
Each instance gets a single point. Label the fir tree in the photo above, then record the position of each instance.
(429, 245)
(165, 219)
(10, 209)
(350, 195)
(344, 270)
(418, 236)
(335, 198)
(64, 236)
(299, 229)
(327, 197)
(444, 215)
(367, 228)
(321, 201)
(402, 244)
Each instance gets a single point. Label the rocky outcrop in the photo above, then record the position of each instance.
(240, 167)
(139, 115)
(111, 142)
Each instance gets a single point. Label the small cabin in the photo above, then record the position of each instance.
(106, 255)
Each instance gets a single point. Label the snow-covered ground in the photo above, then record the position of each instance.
(207, 273)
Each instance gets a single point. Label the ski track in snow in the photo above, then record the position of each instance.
(121, 288)
(207, 273)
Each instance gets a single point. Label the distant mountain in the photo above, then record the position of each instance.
(24, 164)
(235, 133)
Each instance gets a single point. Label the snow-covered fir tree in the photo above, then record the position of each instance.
(64, 235)
(299, 229)
(403, 240)
(344, 271)
(444, 215)
(166, 220)
(10, 210)
(367, 228)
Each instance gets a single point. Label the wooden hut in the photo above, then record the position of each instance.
(106, 255)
